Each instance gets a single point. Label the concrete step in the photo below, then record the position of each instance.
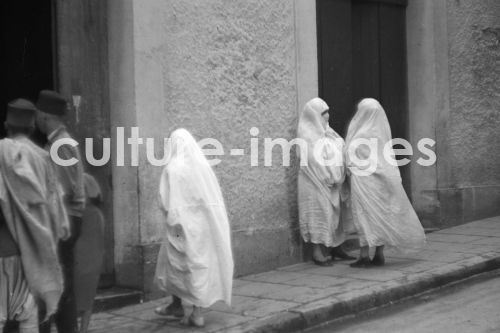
(116, 297)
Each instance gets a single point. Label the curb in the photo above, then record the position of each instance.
(332, 308)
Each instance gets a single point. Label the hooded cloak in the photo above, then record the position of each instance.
(320, 180)
(381, 210)
(195, 261)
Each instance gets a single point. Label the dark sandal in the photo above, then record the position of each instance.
(337, 252)
(378, 261)
(323, 263)
(362, 263)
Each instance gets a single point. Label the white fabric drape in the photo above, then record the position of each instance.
(381, 210)
(34, 212)
(320, 185)
(195, 261)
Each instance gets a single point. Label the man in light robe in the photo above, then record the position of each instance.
(52, 108)
(30, 205)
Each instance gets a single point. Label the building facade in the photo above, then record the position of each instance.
(220, 68)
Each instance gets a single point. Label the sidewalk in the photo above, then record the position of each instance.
(302, 295)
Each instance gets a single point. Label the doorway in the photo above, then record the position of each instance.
(33, 60)
(28, 51)
(362, 53)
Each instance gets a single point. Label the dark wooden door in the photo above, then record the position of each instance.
(362, 53)
(379, 55)
(335, 61)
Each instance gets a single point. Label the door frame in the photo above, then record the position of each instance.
(80, 49)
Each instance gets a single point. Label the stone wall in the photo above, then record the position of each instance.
(453, 70)
(471, 177)
(219, 68)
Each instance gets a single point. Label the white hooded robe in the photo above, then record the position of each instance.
(381, 210)
(320, 183)
(195, 261)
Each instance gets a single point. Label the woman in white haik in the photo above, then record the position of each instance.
(381, 210)
(320, 182)
(195, 262)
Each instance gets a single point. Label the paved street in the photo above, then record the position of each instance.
(468, 308)
(304, 295)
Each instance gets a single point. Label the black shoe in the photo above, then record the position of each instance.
(326, 262)
(362, 263)
(378, 260)
(337, 252)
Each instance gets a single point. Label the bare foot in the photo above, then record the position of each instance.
(318, 254)
(185, 320)
(172, 310)
(195, 319)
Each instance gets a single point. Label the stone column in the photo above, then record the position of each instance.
(428, 98)
(123, 113)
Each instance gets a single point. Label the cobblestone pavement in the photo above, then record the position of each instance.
(308, 291)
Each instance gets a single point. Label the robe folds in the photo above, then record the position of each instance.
(31, 201)
(322, 196)
(381, 209)
(195, 261)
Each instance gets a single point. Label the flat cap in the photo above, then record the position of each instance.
(21, 113)
(51, 102)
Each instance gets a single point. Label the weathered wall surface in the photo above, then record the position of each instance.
(128, 256)
(82, 70)
(469, 182)
(427, 95)
(219, 68)
(474, 133)
(453, 70)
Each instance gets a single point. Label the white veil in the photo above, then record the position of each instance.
(195, 262)
(381, 210)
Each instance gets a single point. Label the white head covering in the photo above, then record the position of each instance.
(369, 123)
(381, 210)
(191, 179)
(314, 129)
(312, 125)
(195, 262)
(319, 185)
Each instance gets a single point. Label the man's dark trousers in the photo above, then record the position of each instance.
(66, 317)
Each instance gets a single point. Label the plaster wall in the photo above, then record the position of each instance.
(453, 69)
(469, 182)
(474, 123)
(216, 68)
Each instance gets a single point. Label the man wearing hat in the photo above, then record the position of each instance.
(52, 108)
(30, 200)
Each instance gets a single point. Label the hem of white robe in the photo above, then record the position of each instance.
(402, 248)
(332, 243)
(170, 290)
